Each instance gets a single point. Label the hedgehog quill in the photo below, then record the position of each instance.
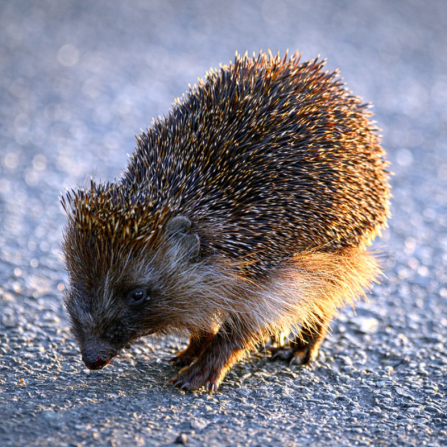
(244, 213)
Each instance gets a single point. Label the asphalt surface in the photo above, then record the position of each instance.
(78, 80)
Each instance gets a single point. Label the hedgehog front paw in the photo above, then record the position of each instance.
(197, 375)
(197, 344)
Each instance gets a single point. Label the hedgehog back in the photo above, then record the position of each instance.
(268, 157)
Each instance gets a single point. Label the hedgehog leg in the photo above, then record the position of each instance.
(306, 345)
(210, 368)
(303, 349)
(198, 342)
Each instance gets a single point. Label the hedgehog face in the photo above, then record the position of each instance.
(118, 294)
(108, 318)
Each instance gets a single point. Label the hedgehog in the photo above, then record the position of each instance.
(244, 213)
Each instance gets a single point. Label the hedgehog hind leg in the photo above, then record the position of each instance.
(304, 348)
(306, 345)
(327, 281)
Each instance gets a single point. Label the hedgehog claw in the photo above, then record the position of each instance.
(212, 387)
(185, 386)
(193, 378)
(298, 357)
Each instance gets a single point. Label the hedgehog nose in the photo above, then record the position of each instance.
(95, 361)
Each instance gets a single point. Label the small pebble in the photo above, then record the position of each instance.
(181, 439)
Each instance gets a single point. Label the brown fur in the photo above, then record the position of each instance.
(304, 295)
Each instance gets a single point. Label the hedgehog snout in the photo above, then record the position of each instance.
(96, 358)
(95, 362)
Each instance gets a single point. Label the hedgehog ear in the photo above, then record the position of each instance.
(178, 229)
(178, 224)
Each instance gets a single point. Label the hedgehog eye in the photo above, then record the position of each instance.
(137, 296)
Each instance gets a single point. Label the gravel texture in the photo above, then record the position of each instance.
(78, 80)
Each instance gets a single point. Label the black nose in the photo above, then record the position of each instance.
(95, 361)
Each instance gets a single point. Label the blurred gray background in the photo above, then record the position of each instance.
(78, 81)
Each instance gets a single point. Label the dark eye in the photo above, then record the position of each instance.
(137, 296)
